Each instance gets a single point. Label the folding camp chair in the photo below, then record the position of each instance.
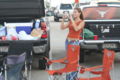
(1, 68)
(108, 60)
(21, 52)
(71, 64)
(15, 64)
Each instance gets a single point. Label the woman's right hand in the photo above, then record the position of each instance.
(64, 26)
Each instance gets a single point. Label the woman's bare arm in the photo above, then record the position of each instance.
(63, 25)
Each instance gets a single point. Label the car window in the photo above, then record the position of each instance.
(96, 13)
(66, 6)
(109, 3)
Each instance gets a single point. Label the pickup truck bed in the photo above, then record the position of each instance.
(15, 11)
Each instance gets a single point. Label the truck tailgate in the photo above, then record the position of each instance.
(17, 9)
(106, 30)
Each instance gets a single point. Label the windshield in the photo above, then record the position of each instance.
(66, 6)
(109, 3)
(96, 13)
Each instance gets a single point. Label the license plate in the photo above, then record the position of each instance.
(111, 46)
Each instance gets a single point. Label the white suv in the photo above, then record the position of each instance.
(61, 9)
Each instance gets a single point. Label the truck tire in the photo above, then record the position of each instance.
(82, 56)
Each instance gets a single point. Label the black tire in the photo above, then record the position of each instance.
(82, 56)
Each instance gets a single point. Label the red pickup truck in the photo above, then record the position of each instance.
(104, 21)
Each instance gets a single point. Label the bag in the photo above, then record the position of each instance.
(88, 34)
(37, 32)
(15, 64)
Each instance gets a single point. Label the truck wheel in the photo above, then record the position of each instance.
(82, 56)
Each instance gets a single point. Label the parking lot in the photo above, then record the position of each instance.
(58, 51)
(30, 32)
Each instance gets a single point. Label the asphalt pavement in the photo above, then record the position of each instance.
(57, 51)
(58, 37)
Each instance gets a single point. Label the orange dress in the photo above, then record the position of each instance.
(72, 33)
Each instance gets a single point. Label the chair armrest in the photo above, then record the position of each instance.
(93, 68)
(82, 70)
(96, 72)
(49, 62)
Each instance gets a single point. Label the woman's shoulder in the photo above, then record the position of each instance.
(81, 21)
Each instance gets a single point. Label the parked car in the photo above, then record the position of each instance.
(49, 13)
(61, 10)
(28, 11)
(112, 2)
(104, 22)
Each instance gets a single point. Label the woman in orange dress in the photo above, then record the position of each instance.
(75, 26)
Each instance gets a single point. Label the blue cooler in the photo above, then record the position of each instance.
(27, 29)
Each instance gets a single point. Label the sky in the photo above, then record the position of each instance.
(57, 2)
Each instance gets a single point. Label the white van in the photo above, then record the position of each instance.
(61, 9)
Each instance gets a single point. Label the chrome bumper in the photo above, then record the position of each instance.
(99, 41)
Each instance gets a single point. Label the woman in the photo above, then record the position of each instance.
(75, 26)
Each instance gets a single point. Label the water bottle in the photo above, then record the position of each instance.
(37, 24)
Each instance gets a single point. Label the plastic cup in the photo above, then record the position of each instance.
(4, 38)
(95, 37)
(81, 38)
(14, 38)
